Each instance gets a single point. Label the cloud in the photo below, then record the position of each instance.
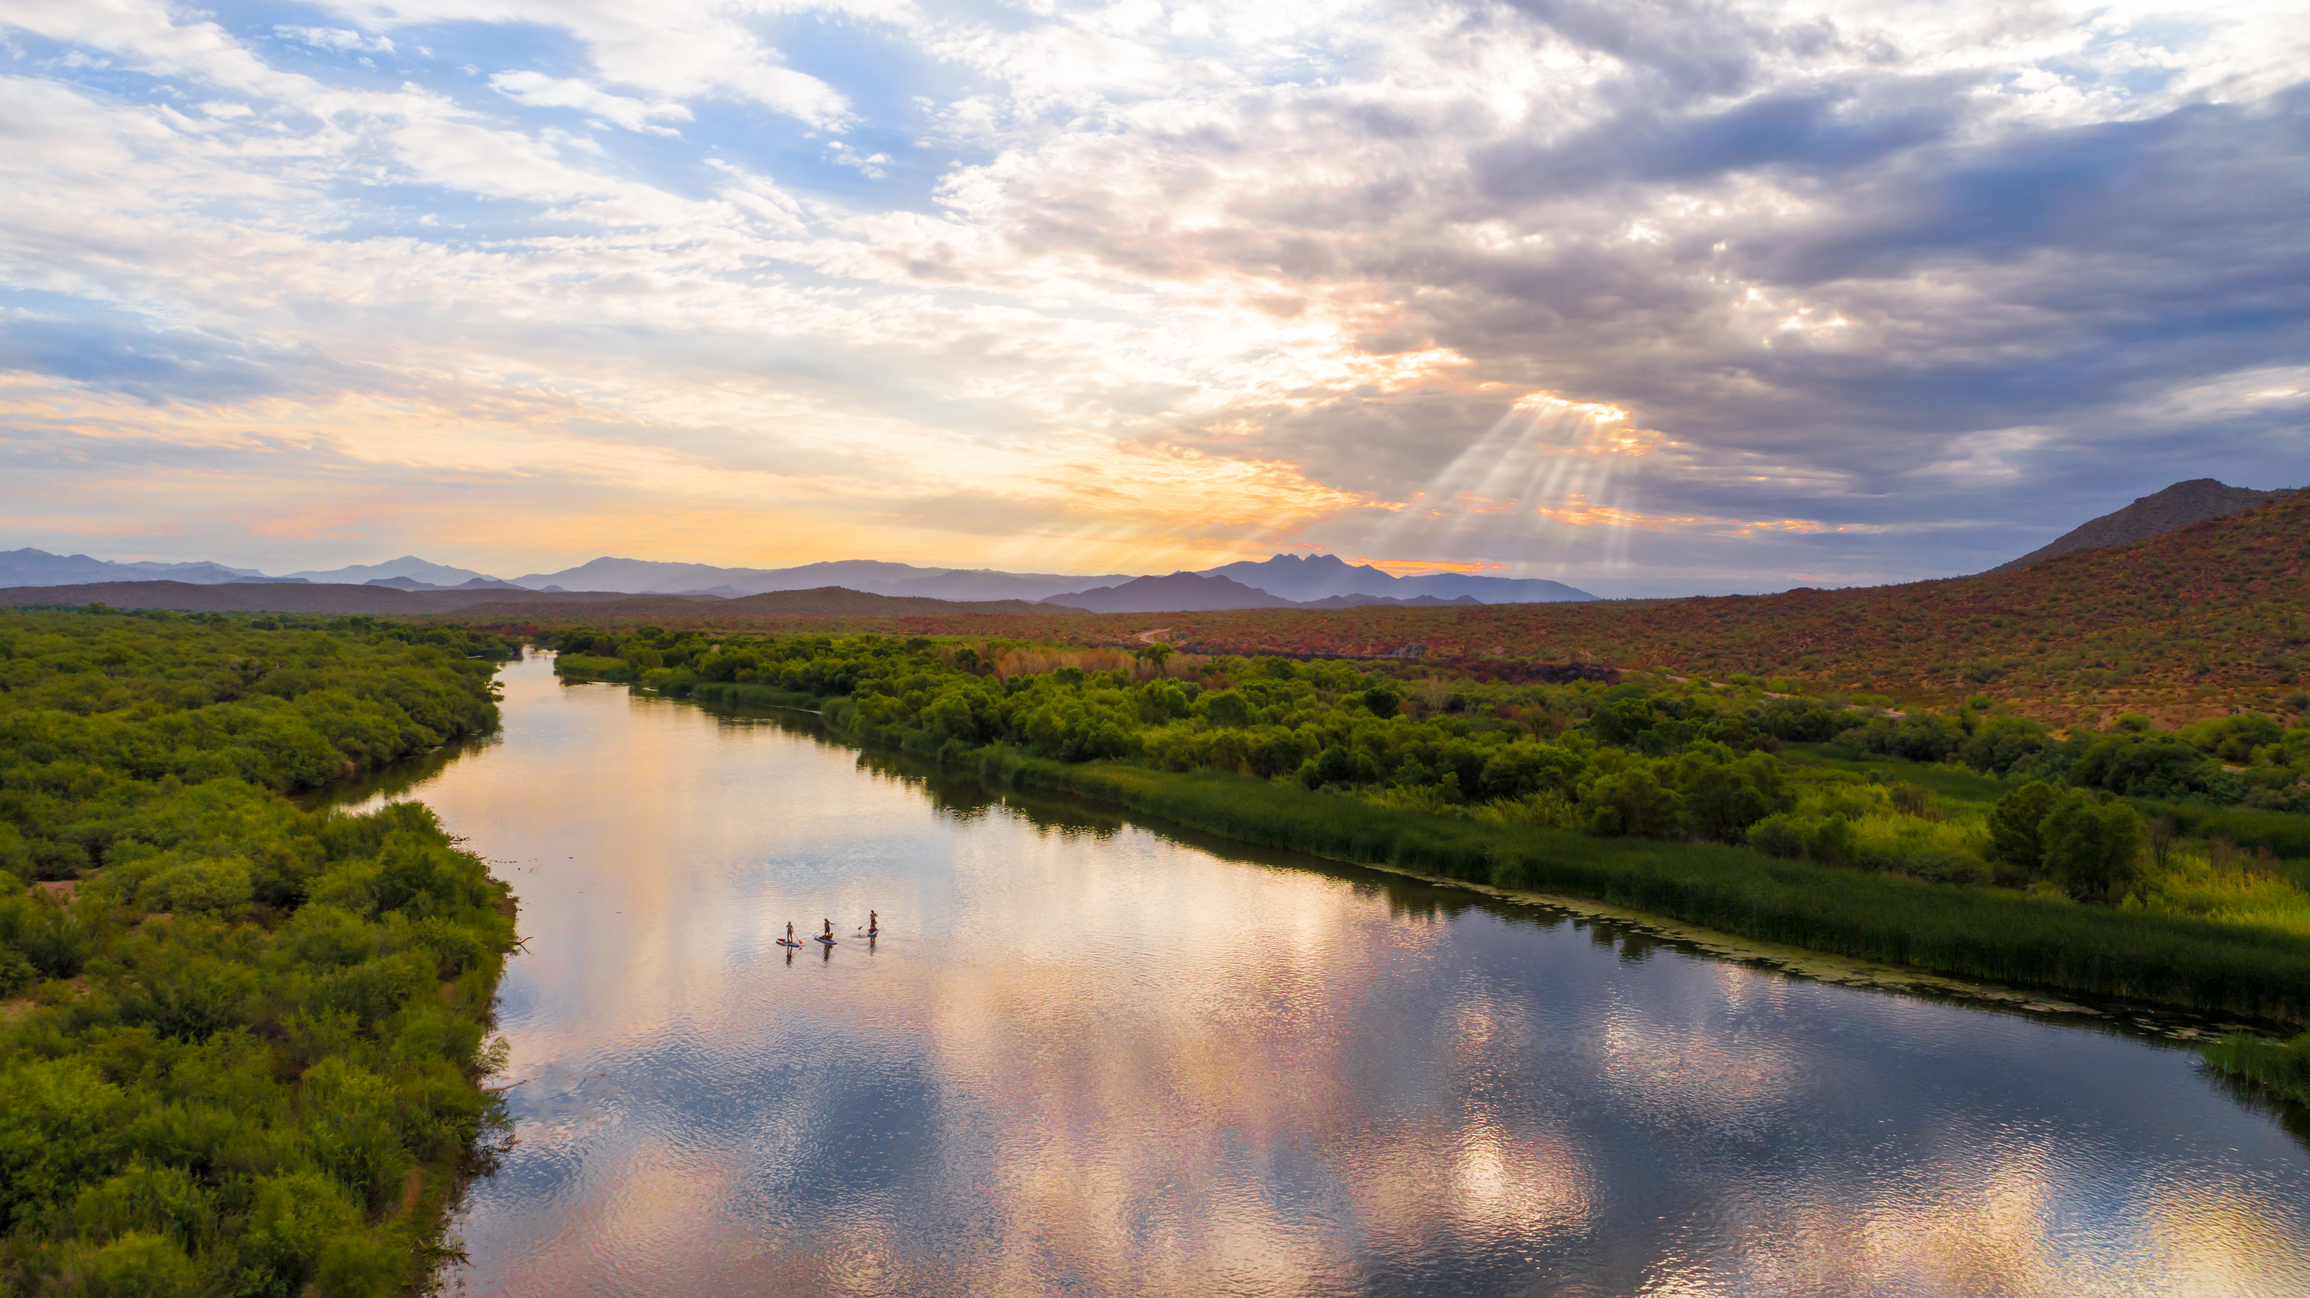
(540, 91)
(676, 51)
(1184, 287)
(334, 38)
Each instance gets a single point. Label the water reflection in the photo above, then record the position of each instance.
(1083, 1057)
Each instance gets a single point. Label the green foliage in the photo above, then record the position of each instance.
(2000, 743)
(2282, 1066)
(1922, 737)
(2093, 849)
(1644, 760)
(2153, 766)
(272, 1016)
(2232, 739)
(1977, 932)
(1828, 839)
(1460, 777)
(2013, 827)
(1633, 803)
(1724, 797)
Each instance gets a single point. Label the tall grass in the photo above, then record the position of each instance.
(2235, 890)
(2282, 1066)
(2172, 955)
(2286, 835)
(1972, 932)
(735, 694)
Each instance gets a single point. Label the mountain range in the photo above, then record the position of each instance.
(1285, 581)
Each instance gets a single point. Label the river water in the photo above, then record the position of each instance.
(1087, 1057)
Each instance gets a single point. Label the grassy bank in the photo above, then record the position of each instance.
(2281, 1066)
(1976, 932)
(1995, 934)
(241, 1044)
(1976, 844)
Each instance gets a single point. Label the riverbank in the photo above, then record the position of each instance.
(245, 1047)
(1974, 932)
(1984, 933)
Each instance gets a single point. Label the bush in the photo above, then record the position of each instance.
(16, 973)
(2092, 849)
(148, 1142)
(1520, 770)
(1998, 744)
(1635, 804)
(139, 1265)
(1829, 840)
(1722, 799)
(2013, 827)
(1779, 834)
(214, 886)
(2153, 766)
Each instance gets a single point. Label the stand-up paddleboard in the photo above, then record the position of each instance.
(823, 938)
(787, 941)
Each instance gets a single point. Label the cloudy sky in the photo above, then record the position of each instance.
(1654, 296)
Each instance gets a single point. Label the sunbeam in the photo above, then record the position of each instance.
(1553, 461)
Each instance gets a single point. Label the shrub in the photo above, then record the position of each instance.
(1722, 799)
(1633, 803)
(2013, 827)
(2153, 766)
(2092, 849)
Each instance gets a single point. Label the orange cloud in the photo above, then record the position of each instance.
(1423, 567)
(1578, 512)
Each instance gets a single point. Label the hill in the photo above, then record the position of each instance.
(825, 601)
(869, 576)
(432, 576)
(29, 567)
(287, 597)
(1320, 580)
(1364, 601)
(1311, 578)
(2196, 501)
(2194, 622)
(491, 602)
(2201, 618)
(1181, 591)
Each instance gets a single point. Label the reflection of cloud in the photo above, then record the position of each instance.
(1094, 1060)
(1694, 1074)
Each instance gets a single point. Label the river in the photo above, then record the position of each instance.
(1087, 1057)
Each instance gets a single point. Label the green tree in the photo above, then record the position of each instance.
(1519, 770)
(1633, 803)
(2092, 849)
(2013, 826)
(1722, 799)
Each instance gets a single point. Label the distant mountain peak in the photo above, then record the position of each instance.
(1178, 592)
(2194, 501)
(1306, 578)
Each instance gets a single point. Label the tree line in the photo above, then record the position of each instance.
(242, 1041)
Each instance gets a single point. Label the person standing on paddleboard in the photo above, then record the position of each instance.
(873, 923)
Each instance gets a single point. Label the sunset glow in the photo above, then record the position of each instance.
(1471, 287)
